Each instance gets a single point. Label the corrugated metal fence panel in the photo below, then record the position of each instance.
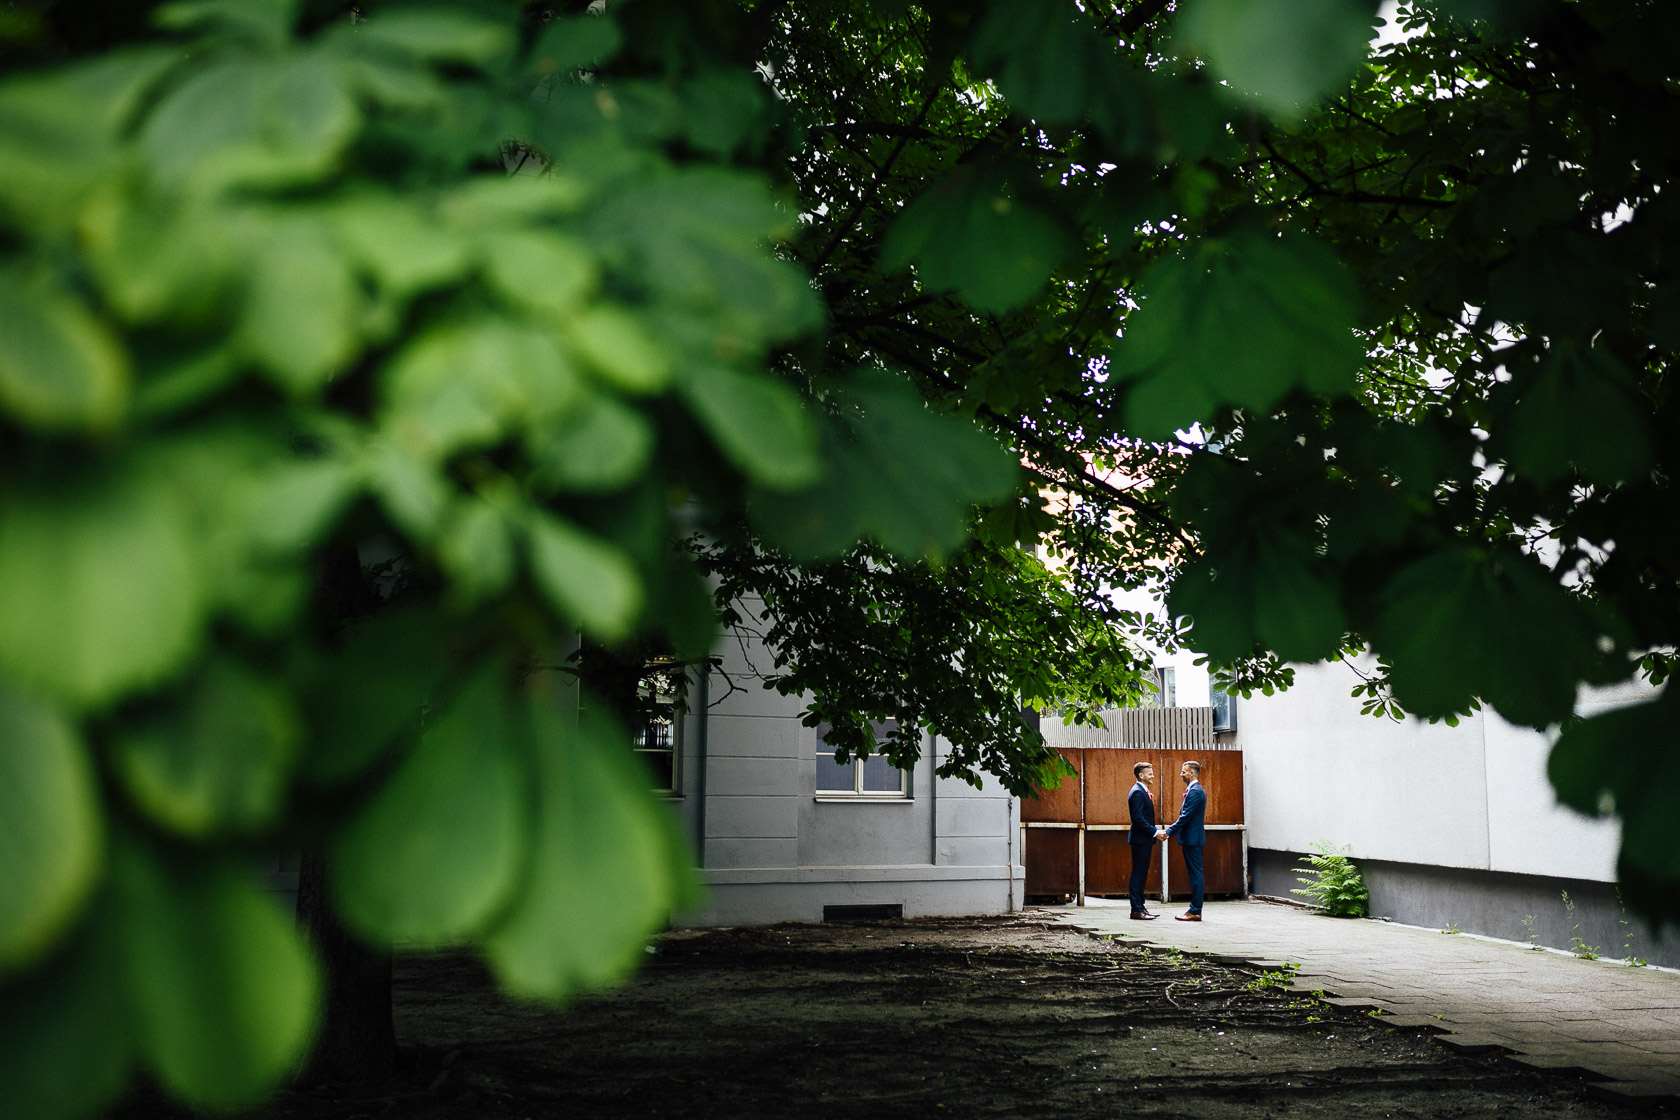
(1186, 728)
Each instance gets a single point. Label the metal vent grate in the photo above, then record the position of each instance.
(872, 912)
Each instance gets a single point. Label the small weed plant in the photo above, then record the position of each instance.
(1452, 927)
(1529, 932)
(1267, 980)
(1627, 935)
(1333, 883)
(1577, 946)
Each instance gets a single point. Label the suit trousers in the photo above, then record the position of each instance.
(1193, 864)
(1140, 872)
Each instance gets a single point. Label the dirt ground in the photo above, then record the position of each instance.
(966, 1018)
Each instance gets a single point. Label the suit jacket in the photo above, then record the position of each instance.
(1187, 829)
(1141, 807)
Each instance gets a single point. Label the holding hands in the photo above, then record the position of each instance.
(1160, 834)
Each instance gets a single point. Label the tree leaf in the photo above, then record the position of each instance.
(1297, 612)
(224, 993)
(364, 696)
(606, 870)
(470, 384)
(476, 548)
(1513, 638)
(395, 240)
(574, 42)
(544, 272)
(1288, 54)
(1046, 58)
(1629, 754)
(59, 131)
(901, 473)
(1577, 410)
(437, 849)
(975, 234)
(50, 842)
(296, 503)
(302, 315)
(436, 34)
(1240, 320)
(268, 22)
(218, 760)
(760, 424)
(60, 368)
(66, 1042)
(602, 446)
(99, 589)
(583, 578)
(252, 121)
(621, 349)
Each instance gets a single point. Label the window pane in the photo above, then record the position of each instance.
(881, 776)
(832, 776)
(660, 769)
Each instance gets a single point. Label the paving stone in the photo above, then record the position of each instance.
(1474, 1042)
(1553, 1011)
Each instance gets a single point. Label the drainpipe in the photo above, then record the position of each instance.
(704, 706)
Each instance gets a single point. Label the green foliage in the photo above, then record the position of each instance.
(516, 305)
(1334, 883)
(1240, 321)
(1579, 947)
(275, 301)
(1286, 54)
(955, 648)
(975, 234)
(1628, 957)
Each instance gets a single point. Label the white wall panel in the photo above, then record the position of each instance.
(1319, 770)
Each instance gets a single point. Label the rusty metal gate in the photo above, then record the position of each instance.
(1074, 838)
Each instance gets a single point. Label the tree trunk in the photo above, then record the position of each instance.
(357, 1043)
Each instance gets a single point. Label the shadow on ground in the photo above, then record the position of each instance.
(971, 1017)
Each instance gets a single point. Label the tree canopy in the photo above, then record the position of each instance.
(548, 317)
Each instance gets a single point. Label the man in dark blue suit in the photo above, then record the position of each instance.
(1187, 829)
(1141, 808)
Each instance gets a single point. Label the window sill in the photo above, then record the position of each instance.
(863, 798)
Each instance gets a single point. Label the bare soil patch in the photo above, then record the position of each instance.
(966, 1017)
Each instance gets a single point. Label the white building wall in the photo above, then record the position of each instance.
(1475, 796)
(771, 850)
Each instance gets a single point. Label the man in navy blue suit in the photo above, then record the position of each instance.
(1141, 808)
(1187, 829)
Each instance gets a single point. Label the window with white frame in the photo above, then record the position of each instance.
(1166, 688)
(859, 777)
(659, 707)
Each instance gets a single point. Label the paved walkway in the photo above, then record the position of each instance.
(1551, 1011)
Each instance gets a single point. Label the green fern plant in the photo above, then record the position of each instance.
(1333, 883)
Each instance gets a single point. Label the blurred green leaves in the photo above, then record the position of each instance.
(574, 926)
(59, 366)
(1286, 53)
(1236, 320)
(898, 473)
(1625, 761)
(436, 850)
(220, 986)
(216, 760)
(980, 235)
(100, 588)
(52, 839)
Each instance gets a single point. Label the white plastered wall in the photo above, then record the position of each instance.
(1471, 796)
